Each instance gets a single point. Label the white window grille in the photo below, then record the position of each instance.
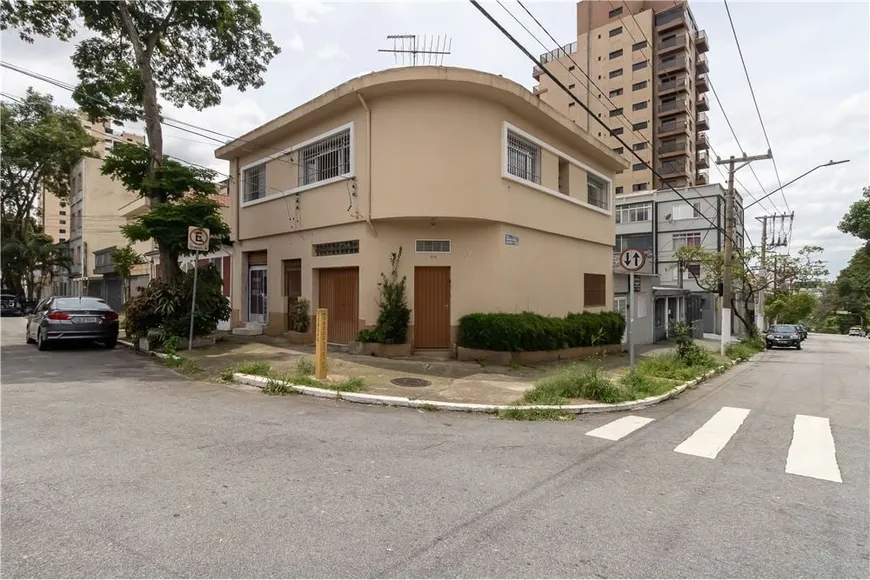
(523, 158)
(433, 246)
(633, 213)
(689, 239)
(598, 194)
(684, 211)
(255, 183)
(325, 159)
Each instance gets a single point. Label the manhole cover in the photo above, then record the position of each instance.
(410, 382)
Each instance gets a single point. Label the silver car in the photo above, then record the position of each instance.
(58, 319)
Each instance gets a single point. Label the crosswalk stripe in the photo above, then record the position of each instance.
(715, 434)
(812, 452)
(616, 430)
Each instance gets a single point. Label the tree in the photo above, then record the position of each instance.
(186, 191)
(41, 143)
(30, 258)
(142, 48)
(857, 219)
(125, 259)
(791, 308)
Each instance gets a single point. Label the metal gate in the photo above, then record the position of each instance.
(339, 294)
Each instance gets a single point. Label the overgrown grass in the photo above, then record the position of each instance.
(670, 366)
(278, 386)
(640, 386)
(254, 367)
(183, 365)
(428, 407)
(305, 366)
(745, 348)
(523, 414)
(575, 382)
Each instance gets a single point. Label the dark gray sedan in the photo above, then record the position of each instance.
(58, 319)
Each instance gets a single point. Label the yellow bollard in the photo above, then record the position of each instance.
(320, 345)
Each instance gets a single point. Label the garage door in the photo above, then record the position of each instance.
(339, 294)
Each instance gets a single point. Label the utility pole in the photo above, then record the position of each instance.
(727, 273)
(779, 241)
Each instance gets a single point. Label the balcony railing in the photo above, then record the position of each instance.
(673, 147)
(558, 53)
(668, 128)
(703, 160)
(672, 65)
(702, 178)
(671, 19)
(701, 42)
(703, 142)
(674, 107)
(680, 41)
(680, 84)
(701, 83)
(702, 65)
(673, 169)
(702, 103)
(703, 123)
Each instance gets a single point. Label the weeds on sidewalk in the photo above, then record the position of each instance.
(671, 366)
(249, 367)
(745, 348)
(575, 382)
(639, 386)
(525, 414)
(184, 366)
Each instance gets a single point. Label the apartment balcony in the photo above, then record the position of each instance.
(701, 103)
(701, 43)
(679, 106)
(703, 123)
(702, 143)
(671, 20)
(537, 72)
(672, 66)
(703, 160)
(537, 90)
(673, 127)
(702, 178)
(137, 207)
(673, 86)
(702, 65)
(671, 148)
(701, 83)
(103, 263)
(673, 169)
(673, 44)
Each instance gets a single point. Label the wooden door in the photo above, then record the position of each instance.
(339, 294)
(431, 307)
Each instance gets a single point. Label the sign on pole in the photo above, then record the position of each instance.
(197, 239)
(632, 259)
(320, 344)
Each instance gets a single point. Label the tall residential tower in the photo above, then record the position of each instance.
(648, 70)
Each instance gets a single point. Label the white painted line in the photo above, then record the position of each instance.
(812, 452)
(616, 430)
(715, 434)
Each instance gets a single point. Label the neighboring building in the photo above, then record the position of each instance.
(654, 97)
(94, 215)
(498, 202)
(659, 222)
(53, 216)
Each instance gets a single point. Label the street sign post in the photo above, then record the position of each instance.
(631, 260)
(320, 343)
(197, 240)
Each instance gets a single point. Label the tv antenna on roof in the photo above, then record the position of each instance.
(428, 50)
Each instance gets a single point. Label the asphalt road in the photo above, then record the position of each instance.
(113, 466)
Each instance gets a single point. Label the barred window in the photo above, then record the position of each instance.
(255, 183)
(337, 248)
(597, 190)
(325, 159)
(524, 158)
(433, 246)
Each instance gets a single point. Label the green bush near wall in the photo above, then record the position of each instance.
(529, 332)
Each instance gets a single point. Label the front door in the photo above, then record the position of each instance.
(339, 295)
(257, 303)
(660, 315)
(432, 307)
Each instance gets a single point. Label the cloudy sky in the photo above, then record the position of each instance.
(809, 64)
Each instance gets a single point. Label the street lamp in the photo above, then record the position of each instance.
(828, 164)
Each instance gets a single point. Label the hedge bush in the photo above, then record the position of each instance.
(529, 332)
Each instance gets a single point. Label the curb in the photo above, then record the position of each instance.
(131, 346)
(390, 401)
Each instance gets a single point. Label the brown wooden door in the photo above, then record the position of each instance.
(339, 294)
(432, 307)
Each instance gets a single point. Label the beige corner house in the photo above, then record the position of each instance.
(498, 202)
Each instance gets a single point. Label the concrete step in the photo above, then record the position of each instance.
(434, 354)
(249, 329)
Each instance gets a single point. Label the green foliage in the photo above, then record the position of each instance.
(523, 414)
(575, 382)
(305, 366)
(125, 259)
(394, 315)
(185, 50)
(276, 386)
(528, 332)
(640, 386)
(29, 259)
(165, 305)
(299, 315)
(745, 348)
(690, 353)
(259, 368)
(671, 366)
(170, 345)
(790, 308)
(857, 220)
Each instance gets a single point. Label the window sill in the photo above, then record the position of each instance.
(554, 193)
(300, 189)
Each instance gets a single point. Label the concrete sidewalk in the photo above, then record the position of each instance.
(445, 380)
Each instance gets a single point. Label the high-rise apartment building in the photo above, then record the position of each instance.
(647, 80)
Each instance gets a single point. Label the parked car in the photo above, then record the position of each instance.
(10, 305)
(783, 335)
(856, 331)
(72, 318)
(802, 330)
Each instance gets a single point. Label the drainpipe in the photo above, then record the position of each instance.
(369, 154)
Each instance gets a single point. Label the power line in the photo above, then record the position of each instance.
(755, 102)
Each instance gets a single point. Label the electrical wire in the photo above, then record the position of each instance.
(755, 102)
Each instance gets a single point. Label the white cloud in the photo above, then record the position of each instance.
(296, 43)
(308, 11)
